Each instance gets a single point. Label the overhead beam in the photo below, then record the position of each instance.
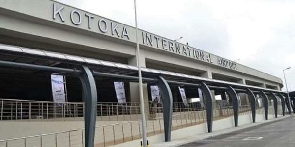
(183, 83)
(223, 84)
(100, 74)
(39, 67)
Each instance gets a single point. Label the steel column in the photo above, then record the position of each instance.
(209, 103)
(292, 104)
(232, 93)
(90, 99)
(253, 104)
(275, 104)
(287, 104)
(167, 100)
(283, 103)
(265, 104)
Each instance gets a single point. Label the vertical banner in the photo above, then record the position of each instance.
(58, 88)
(239, 101)
(120, 92)
(227, 98)
(183, 96)
(201, 97)
(155, 92)
(259, 100)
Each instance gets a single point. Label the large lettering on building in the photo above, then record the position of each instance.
(104, 26)
(87, 21)
(174, 47)
(226, 63)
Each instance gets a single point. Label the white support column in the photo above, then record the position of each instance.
(208, 74)
(279, 88)
(262, 85)
(242, 81)
(134, 88)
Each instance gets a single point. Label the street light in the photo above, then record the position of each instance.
(176, 40)
(287, 89)
(143, 121)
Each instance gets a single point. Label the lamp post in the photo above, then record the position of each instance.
(143, 121)
(287, 89)
(176, 40)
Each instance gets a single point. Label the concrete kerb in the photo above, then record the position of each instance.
(183, 141)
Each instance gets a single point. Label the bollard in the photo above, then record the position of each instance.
(147, 143)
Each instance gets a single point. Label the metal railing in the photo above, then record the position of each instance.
(11, 109)
(107, 135)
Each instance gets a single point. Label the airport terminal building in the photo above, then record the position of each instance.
(59, 28)
(41, 40)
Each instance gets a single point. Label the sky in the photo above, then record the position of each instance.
(256, 33)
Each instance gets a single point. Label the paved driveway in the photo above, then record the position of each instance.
(275, 134)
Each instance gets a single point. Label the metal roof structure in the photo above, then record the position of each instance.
(86, 69)
(112, 67)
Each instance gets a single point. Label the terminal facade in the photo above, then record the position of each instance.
(41, 38)
(53, 26)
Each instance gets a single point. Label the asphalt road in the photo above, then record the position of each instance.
(275, 134)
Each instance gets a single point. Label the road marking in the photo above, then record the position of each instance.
(253, 138)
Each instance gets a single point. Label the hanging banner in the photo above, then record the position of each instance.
(155, 92)
(259, 100)
(183, 96)
(227, 97)
(239, 101)
(58, 88)
(201, 97)
(120, 92)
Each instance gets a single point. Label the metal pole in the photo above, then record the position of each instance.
(143, 121)
(21, 111)
(56, 143)
(1, 110)
(47, 110)
(104, 137)
(69, 138)
(42, 111)
(15, 110)
(82, 138)
(287, 89)
(30, 110)
(41, 141)
(25, 141)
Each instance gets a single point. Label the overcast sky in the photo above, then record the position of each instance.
(257, 33)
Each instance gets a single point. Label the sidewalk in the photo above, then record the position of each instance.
(179, 142)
